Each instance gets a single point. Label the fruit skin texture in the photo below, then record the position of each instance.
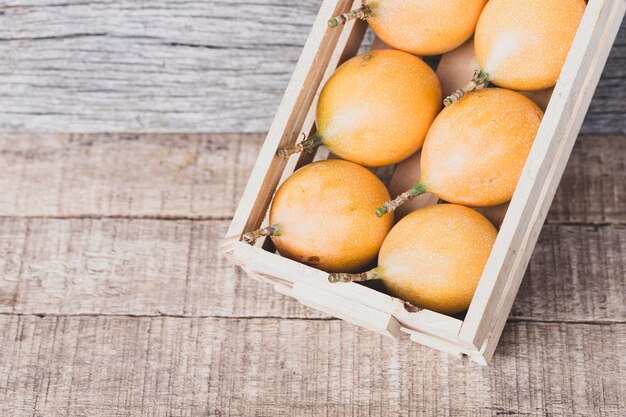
(424, 27)
(523, 44)
(377, 107)
(435, 256)
(476, 149)
(325, 211)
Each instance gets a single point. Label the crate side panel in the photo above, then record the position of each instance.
(287, 124)
(542, 172)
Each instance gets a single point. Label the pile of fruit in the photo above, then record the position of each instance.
(380, 107)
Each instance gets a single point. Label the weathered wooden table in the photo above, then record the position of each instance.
(114, 300)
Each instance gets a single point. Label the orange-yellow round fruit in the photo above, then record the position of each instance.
(522, 44)
(325, 214)
(376, 108)
(424, 27)
(476, 149)
(435, 256)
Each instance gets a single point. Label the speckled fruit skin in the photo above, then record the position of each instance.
(377, 107)
(424, 27)
(326, 215)
(522, 44)
(435, 256)
(476, 149)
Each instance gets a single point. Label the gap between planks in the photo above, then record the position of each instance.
(228, 218)
(597, 322)
(118, 217)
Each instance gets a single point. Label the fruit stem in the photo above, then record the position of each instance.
(307, 145)
(363, 276)
(362, 13)
(392, 205)
(251, 237)
(479, 80)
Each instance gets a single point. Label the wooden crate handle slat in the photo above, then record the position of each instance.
(287, 270)
(347, 310)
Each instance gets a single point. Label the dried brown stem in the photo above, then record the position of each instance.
(362, 13)
(251, 237)
(363, 276)
(406, 196)
(307, 145)
(479, 80)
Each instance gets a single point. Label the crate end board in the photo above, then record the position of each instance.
(352, 302)
(476, 336)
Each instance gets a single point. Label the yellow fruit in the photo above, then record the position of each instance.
(323, 216)
(421, 27)
(376, 109)
(433, 258)
(523, 44)
(475, 150)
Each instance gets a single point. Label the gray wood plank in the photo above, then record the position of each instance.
(133, 267)
(176, 66)
(593, 187)
(157, 267)
(151, 65)
(201, 176)
(120, 366)
(576, 273)
(166, 176)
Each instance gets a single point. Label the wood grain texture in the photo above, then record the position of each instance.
(202, 176)
(132, 267)
(97, 366)
(114, 300)
(157, 267)
(575, 273)
(593, 187)
(176, 66)
(191, 176)
(151, 65)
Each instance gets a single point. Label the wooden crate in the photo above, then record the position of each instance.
(477, 334)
